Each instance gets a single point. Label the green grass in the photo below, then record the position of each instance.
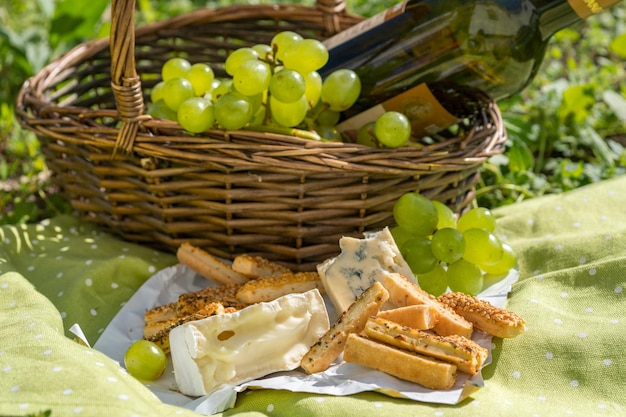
(567, 128)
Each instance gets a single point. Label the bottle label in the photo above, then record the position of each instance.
(586, 8)
(365, 25)
(426, 114)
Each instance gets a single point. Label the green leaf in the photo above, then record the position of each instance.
(618, 45)
(520, 157)
(76, 20)
(616, 102)
(577, 101)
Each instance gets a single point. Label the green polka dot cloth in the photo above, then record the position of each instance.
(570, 362)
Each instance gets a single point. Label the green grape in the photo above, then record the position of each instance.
(328, 117)
(287, 85)
(256, 101)
(238, 57)
(416, 214)
(305, 56)
(156, 93)
(434, 282)
(160, 110)
(465, 277)
(233, 111)
(447, 217)
(313, 90)
(145, 360)
(288, 114)
(282, 40)
(201, 78)
(225, 85)
(418, 254)
(505, 264)
(448, 245)
(400, 235)
(196, 114)
(481, 247)
(175, 68)
(341, 89)
(252, 78)
(175, 91)
(478, 217)
(329, 133)
(365, 135)
(264, 51)
(392, 129)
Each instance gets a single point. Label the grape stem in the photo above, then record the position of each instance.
(288, 131)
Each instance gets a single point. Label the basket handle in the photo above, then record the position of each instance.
(125, 81)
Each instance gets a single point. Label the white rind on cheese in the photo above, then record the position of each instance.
(360, 263)
(233, 348)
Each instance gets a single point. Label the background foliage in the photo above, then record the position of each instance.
(566, 129)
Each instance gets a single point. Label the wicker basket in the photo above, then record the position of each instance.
(282, 197)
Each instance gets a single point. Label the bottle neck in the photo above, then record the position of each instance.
(559, 14)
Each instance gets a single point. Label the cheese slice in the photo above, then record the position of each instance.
(263, 338)
(360, 263)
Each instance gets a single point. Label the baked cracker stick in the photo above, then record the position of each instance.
(494, 320)
(466, 354)
(257, 267)
(418, 316)
(402, 293)
(268, 289)
(160, 313)
(422, 370)
(161, 336)
(208, 265)
(331, 344)
(191, 302)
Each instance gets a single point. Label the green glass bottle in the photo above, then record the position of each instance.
(495, 46)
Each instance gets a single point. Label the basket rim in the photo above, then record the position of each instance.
(158, 137)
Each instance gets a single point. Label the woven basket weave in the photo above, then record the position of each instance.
(282, 197)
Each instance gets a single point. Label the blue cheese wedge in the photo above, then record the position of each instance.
(360, 263)
(233, 348)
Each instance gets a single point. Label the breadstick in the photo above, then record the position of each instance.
(159, 333)
(208, 265)
(494, 320)
(268, 289)
(467, 355)
(189, 303)
(428, 372)
(331, 344)
(160, 313)
(402, 293)
(257, 267)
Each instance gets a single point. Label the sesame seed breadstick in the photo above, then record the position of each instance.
(160, 313)
(466, 354)
(189, 303)
(353, 320)
(268, 289)
(159, 332)
(494, 320)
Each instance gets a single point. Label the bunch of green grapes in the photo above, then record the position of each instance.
(464, 255)
(267, 85)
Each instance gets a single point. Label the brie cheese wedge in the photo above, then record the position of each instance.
(360, 263)
(230, 349)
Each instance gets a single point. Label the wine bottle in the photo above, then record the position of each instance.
(425, 48)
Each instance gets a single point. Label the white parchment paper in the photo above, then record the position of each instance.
(340, 379)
